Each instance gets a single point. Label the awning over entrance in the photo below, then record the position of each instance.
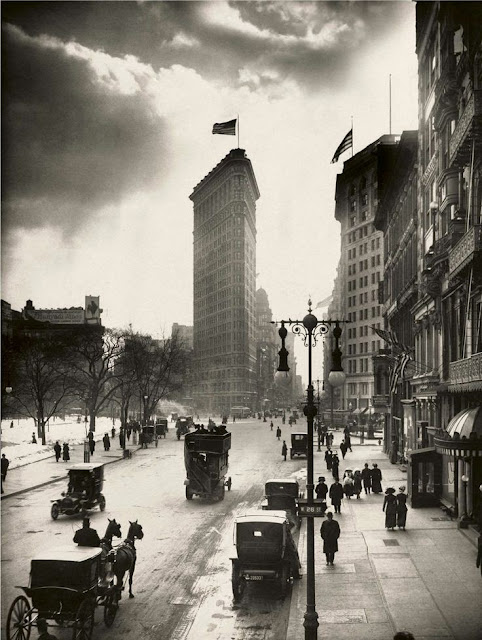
(466, 422)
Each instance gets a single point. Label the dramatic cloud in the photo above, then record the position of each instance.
(77, 132)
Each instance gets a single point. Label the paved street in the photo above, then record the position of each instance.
(381, 582)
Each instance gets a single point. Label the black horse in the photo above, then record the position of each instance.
(125, 559)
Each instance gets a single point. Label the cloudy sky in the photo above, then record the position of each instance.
(107, 115)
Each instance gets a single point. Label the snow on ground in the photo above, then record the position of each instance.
(17, 440)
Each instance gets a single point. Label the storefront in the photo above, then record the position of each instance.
(459, 447)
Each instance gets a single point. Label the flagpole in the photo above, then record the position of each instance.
(352, 136)
(238, 132)
(390, 103)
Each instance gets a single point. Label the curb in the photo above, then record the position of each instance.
(43, 484)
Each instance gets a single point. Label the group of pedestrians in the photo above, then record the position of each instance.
(395, 508)
(63, 451)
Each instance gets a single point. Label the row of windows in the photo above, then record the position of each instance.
(364, 367)
(363, 347)
(363, 314)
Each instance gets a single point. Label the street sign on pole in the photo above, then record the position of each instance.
(315, 508)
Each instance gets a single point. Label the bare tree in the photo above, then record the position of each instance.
(157, 365)
(94, 352)
(42, 380)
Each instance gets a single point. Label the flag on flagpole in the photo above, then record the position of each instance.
(225, 128)
(345, 144)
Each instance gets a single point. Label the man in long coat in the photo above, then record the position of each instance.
(330, 532)
(376, 479)
(336, 495)
(366, 475)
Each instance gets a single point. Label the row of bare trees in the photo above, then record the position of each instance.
(51, 371)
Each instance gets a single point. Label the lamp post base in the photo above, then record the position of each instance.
(311, 625)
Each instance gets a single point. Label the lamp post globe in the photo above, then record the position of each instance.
(336, 378)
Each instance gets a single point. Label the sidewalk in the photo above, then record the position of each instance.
(421, 580)
(47, 471)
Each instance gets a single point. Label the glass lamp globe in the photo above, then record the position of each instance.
(336, 378)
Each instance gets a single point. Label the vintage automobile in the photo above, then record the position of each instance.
(265, 552)
(84, 490)
(65, 589)
(206, 461)
(282, 494)
(299, 444)
(161, 427)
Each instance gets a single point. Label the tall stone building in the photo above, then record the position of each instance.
(224, 238)
(358, 191)
(267, 351)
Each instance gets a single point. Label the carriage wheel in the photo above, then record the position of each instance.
(101, 502)
(84, 622)
(229, 483)
(188, 494)
(239, 584)
(110, 609)
(284, 579)
(54, 511)
(19, 619)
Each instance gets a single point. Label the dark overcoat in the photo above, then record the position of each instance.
(330, 532)
(336, 493)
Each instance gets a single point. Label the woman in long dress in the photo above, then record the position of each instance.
(401, 508)
(390, 508)
(65, 452)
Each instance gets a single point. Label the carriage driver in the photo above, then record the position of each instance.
(86, 537)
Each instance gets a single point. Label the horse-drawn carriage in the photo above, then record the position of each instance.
(65, 589)
(282, 494)
(84, 490)
(148, 436)
(182, 426)
(265, 551)
(206, 462)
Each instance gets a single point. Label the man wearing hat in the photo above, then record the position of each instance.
(86, 537)
(330, 532)
(321, 491)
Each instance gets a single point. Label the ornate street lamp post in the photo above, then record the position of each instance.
(309, 329)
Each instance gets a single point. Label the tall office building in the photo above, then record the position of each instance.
(224, 238)
(358, 191)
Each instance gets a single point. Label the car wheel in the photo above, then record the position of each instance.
(54, 511)
(284, 579)
(188, 494)
(101, 502)
(239, 584)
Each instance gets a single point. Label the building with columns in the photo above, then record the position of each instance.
(224, 271)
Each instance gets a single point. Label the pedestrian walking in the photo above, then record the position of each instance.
(321, 491)
(112, 433)
(348, 489)
(390, 508)
(335, 463)
(106, 441)
(278, 433)
(328, 458)
(348, 442)
(336, 495)
(343, 448)
(91, 444)
(284, 450)
(376, 475)
(4, 466)
(478, 562)
(271, 426)
(122, 438)
(366, 475)
(34, 439)
(128, 433)
(11, 425)
(43, 630)
(57, 450)
(330, 532)
(357, 483)
(65, 452)
(401, 508)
